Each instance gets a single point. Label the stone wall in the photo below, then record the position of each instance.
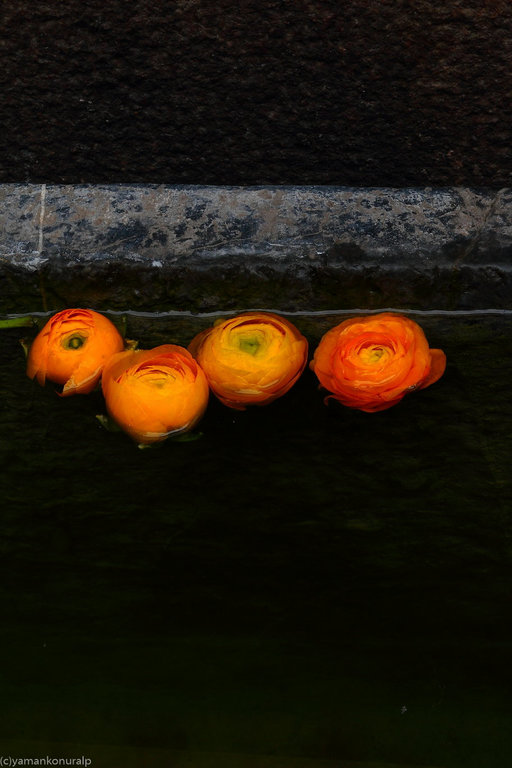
(201, 249)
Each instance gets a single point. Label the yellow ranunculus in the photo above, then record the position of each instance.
(251, 359)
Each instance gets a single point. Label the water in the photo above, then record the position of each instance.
(303, 585)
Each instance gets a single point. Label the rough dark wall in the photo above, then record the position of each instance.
(361, 92)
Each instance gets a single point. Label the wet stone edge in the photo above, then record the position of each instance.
(193, 248)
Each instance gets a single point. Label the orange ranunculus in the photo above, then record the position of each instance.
(371, 362)
(152, 393)
(72, 349)
(251, 359)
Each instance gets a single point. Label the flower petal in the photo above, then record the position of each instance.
(437, 368)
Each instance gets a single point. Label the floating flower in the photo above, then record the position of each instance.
(72, 349)
(154, 393)
(370, 363)
(253, 358)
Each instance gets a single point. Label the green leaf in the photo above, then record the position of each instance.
(109, 424)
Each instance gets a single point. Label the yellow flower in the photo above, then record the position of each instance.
(251, 359)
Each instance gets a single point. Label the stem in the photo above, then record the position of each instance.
(17, 322)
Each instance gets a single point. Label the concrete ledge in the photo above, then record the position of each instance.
(157, 248)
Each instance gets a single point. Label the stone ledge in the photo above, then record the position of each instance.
(196, 248)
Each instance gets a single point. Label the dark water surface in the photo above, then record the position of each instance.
(300, 582)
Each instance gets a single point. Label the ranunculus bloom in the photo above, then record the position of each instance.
(371, 362)
(251, 359)
(72, 349)
(153, 393)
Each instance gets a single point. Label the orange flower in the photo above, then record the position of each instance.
(72, 349)
(155, 392)
(253, 358)
(371, 362)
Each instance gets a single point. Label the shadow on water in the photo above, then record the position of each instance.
(303, 585)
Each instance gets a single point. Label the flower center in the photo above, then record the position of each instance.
(75, 341)
(249, 344)
(372, 355)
